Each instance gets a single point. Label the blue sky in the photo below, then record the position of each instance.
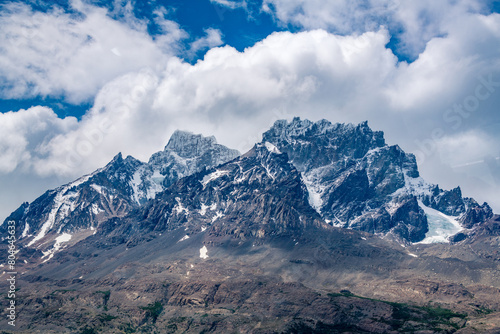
(82, 80)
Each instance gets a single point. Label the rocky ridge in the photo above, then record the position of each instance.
(357, 181)
(77, 209)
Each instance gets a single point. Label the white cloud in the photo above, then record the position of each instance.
(470, 49)
(25, 133)
(232, 4)
(59, 54)
(418, 21)
(473, 147)
(212, 39)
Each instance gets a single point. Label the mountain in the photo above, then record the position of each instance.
(258, 194)
(316, 229)
(355, 180)
(77, 209)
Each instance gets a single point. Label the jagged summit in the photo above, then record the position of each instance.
(187, 153)
(326, 142)
(187, 144)
(355, 180)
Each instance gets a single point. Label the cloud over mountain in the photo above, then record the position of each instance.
(144, 91)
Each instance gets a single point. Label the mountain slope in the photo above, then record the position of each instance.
(259, 194)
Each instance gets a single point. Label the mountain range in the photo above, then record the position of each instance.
(201, 230)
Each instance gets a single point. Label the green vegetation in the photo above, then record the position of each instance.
(402, 313)
(106, 294)
(63, 291)
(105, 300)
(128, 328)
(106, 317)
(483, 310)
(88, 330)
(153, 310)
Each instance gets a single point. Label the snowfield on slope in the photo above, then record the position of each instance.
(441, 226)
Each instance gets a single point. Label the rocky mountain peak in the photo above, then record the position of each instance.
(189, 145)
(326, 142)
(114, 190)
(120, 164)
(355, 180)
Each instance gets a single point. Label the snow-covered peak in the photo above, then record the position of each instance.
(323, 142)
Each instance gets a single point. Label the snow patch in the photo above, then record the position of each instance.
(315, 190)
(414, 255)
(63, 204)
(204, 252)
(96, 209)
(416, 186)
(179, 208)
(142, 179)
(217, 216)
(184, 238)
(338, 222)
(135, 183)
(65, 237)
(26, 230)
(271, 148)
(156, 184)
(441, 226)
(212, 176)
(373, 151)
(97, 188)
(204, 208)
(392, 206)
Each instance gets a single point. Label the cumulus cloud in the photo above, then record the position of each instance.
(25, 133)
(62, 54)
(416, 22)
